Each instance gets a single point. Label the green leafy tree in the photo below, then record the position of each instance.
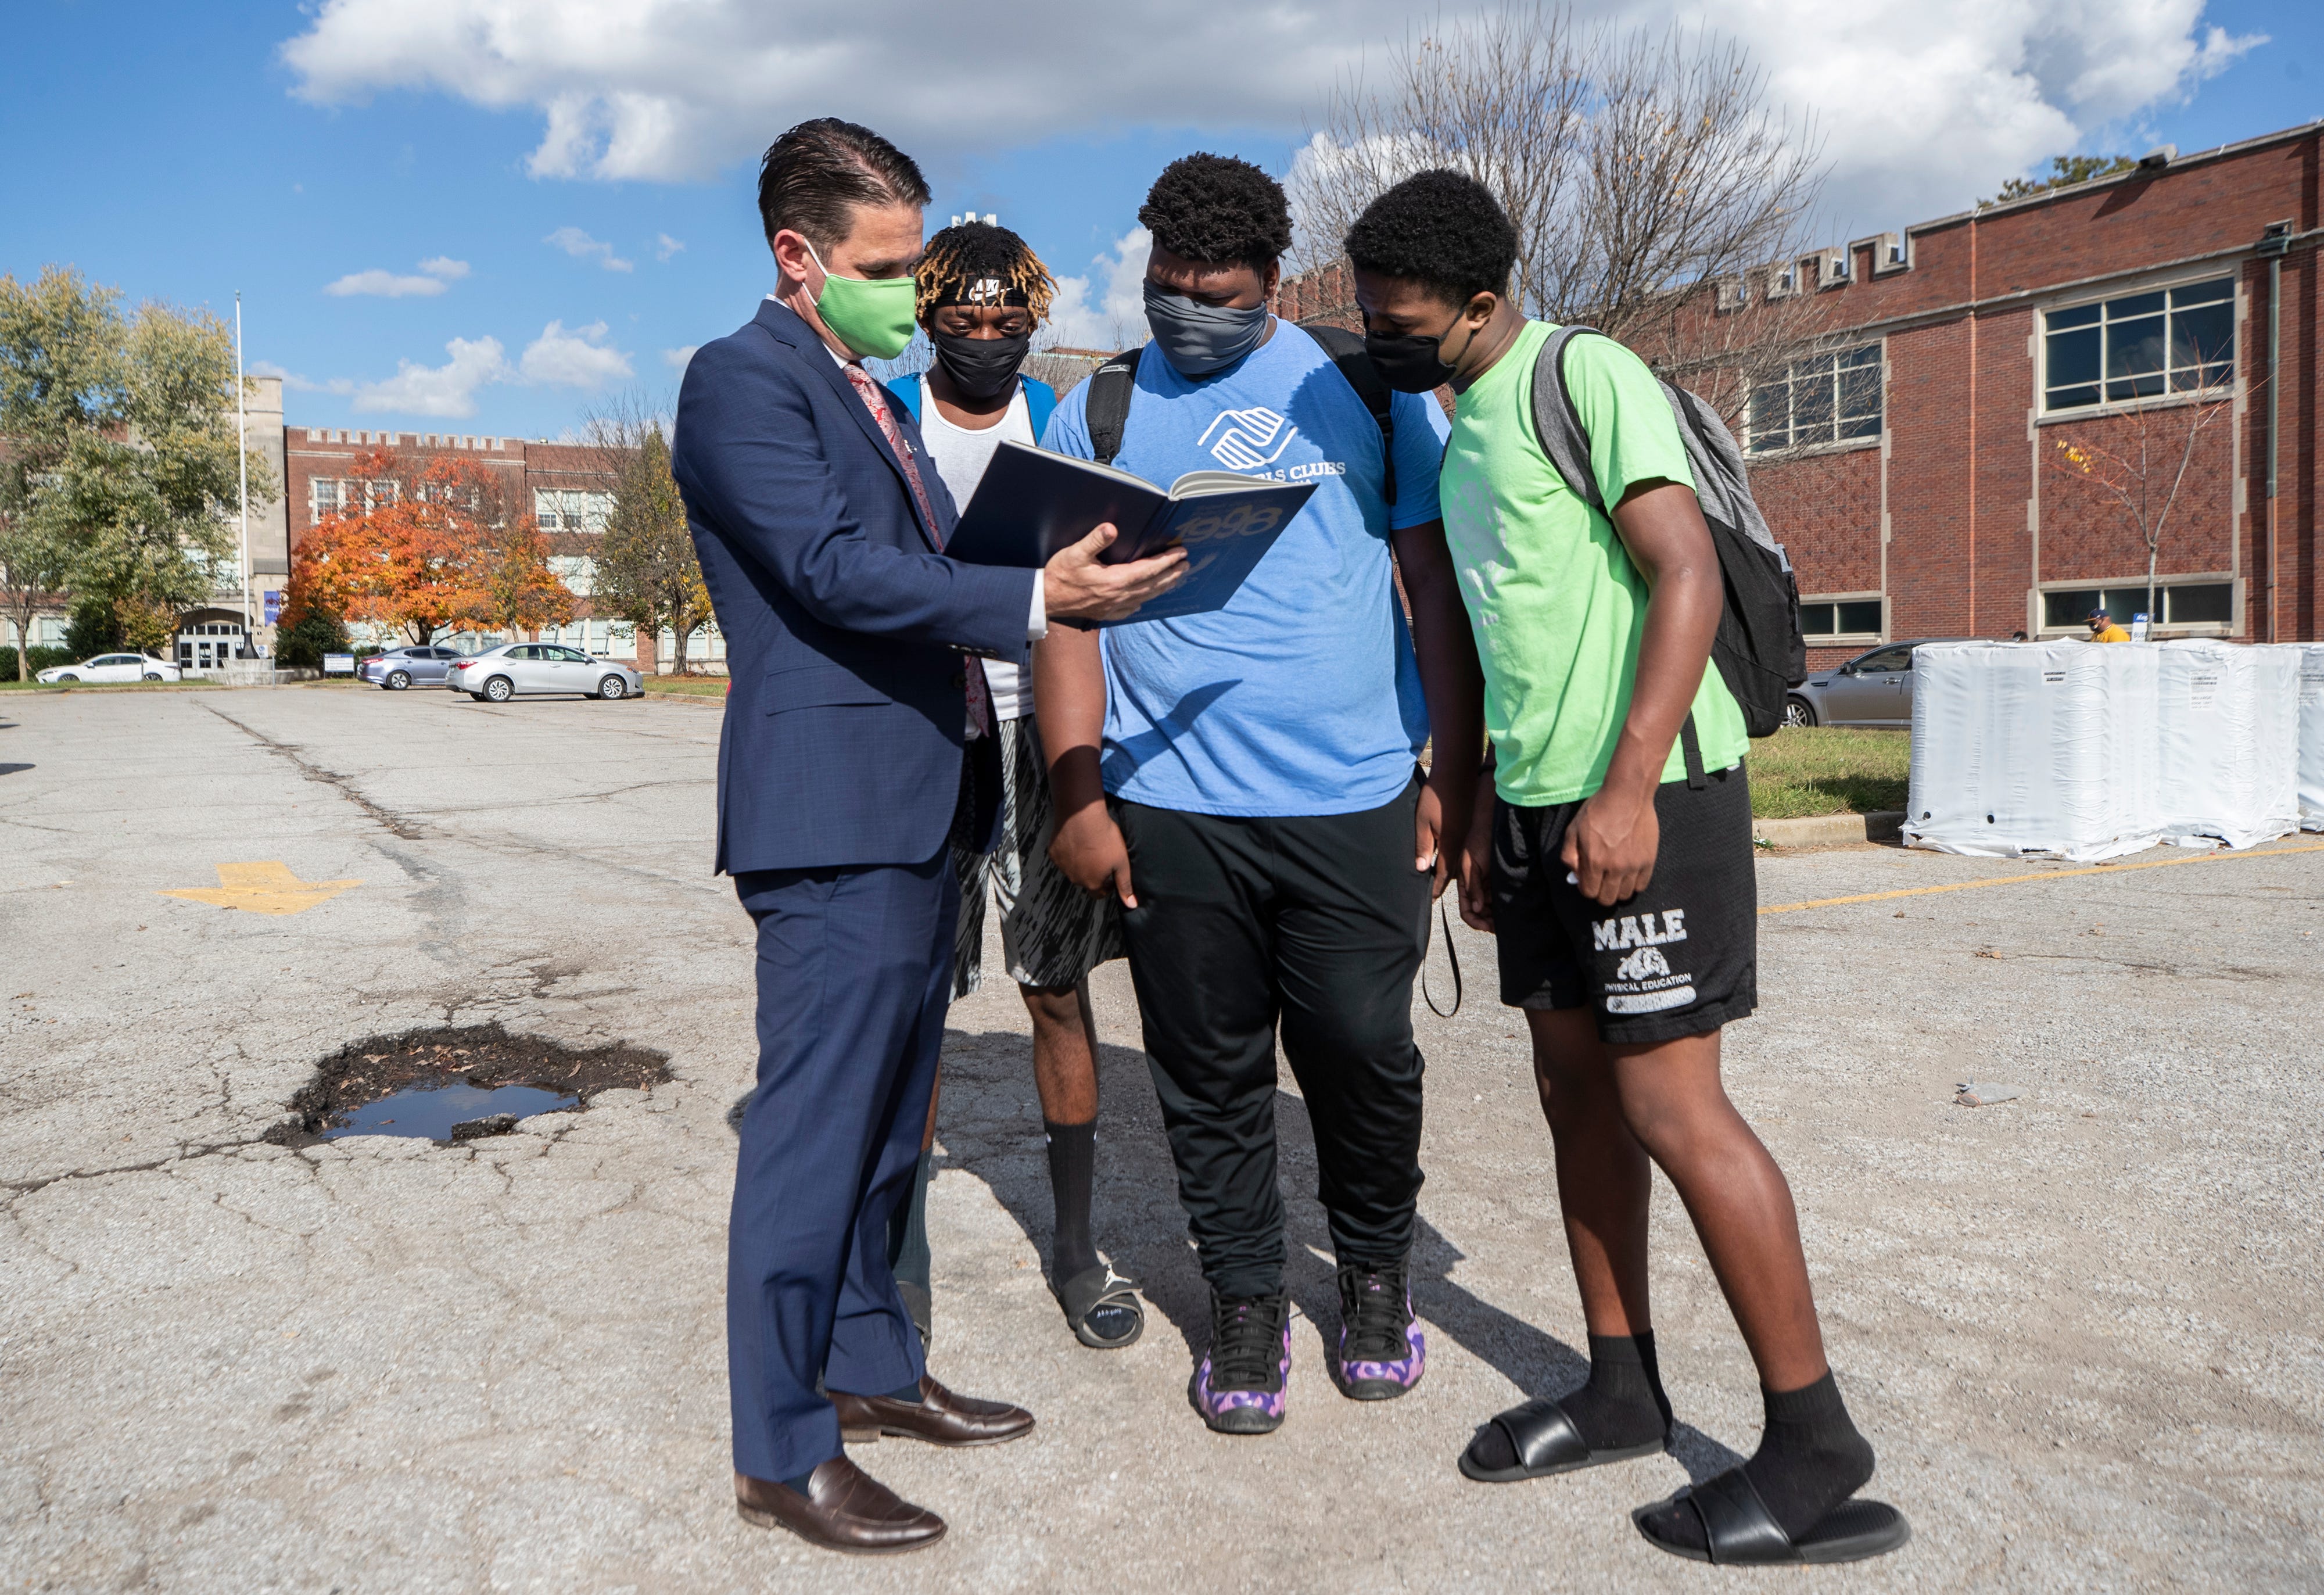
(61, 376)
(2065, 171)
(123, 457)
(646, 571)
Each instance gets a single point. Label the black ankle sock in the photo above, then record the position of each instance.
(907, 1230)
(1621, 1405)
(798, 1485)
(1811, 1459)
(1072, 1156)
(909, 1393)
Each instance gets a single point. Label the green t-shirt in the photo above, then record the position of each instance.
(1556, 604)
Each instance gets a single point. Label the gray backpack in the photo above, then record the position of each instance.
(1760, 651)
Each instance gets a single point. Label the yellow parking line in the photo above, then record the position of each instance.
(1882, 896)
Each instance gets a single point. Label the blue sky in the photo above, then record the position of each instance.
(583, 196)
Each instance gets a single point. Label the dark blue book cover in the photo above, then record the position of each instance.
(1030, 503)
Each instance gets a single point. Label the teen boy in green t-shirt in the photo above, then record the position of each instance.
(1612, 859)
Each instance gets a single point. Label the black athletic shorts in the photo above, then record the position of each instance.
(1679, 958)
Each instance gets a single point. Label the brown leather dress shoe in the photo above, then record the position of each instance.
(940, 1417)
(845, 1508)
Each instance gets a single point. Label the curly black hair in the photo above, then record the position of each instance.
(1218, 210)
(967, 256)
(1439, 228)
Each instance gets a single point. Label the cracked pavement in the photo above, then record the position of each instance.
(2081, 1327)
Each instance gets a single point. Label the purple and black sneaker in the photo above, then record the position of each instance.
(1381, 1352)
(1244, 1377)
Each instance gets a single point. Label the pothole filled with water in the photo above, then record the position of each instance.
(457, 1084)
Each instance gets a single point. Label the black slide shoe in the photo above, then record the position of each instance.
(1546, 1441)
(1743, 1533)
(1102, 1308)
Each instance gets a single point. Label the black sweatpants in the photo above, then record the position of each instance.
(1318, 921)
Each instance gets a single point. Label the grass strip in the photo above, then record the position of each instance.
(1804, 772)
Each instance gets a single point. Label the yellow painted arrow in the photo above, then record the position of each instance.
(266, 888)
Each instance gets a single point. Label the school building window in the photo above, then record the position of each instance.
(1829, 398)
(2142, 346)
(570, 510)
(1832, 620)
(2184, 603)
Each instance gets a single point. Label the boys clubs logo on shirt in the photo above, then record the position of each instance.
(1248, 436)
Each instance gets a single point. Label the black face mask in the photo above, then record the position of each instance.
(1412, 365)
(980, 367)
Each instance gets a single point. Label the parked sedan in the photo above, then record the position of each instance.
(1874, 688)
(398, 669)
(112, 667)
(524, 670)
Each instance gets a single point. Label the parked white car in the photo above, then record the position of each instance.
(112, 667)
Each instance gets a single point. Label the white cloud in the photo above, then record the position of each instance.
(678, 359)
(379, 284)
(1105, 308)
(445, 390)
(664, 246)
(557, 358)
(576, 359)
(300, 384)
(577, 243)
(1926, 103)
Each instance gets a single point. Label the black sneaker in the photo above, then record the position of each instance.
(1244, 1377)
(1381, 1352)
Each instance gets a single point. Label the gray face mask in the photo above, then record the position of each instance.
(1200, 339)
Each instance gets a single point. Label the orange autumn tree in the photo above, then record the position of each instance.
(422, 546)
(510, 585)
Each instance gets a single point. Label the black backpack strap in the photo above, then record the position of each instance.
(1690, 750)
(1451, 956)
(1110, 386)
(1347, 352)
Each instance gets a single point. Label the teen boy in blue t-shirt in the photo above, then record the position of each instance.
(1246, 782)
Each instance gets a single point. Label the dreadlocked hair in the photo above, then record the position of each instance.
(968, 253)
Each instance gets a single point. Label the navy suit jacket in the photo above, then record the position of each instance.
(847, 633)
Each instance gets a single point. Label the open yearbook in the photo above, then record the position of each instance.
(1032, 502)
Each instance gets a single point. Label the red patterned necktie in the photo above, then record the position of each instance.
(980, 702)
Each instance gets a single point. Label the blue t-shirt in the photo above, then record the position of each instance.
(1301, 695)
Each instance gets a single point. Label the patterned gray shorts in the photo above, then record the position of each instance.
(1052, 932)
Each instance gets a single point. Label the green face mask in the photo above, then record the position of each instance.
(874, 317)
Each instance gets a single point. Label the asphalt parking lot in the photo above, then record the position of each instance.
(2082, 1326)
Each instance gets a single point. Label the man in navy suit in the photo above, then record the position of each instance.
(857, 746)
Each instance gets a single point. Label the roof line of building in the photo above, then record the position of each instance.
(1906, 322)
(2137, 174)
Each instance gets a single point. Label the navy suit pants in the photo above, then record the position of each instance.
(854, 974)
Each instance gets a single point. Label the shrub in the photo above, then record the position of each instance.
(37, 658)
(302, 644)
(93, 629)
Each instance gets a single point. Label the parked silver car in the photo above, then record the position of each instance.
(1874, 688)
(400, 669)
(527, 669)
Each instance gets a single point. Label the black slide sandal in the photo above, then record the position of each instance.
(1743, 1533)
(1091, 1289)
(1546, 1443)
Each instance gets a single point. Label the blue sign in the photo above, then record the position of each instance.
(274, 606)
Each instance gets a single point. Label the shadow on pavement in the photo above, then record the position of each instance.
(989, 1125)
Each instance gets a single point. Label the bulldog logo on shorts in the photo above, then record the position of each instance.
(1643, 981)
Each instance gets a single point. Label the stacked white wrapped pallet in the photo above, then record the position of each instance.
(2229, 717)
(2311, 735)
(2045, 749)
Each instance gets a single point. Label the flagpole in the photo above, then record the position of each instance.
(242, 458)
